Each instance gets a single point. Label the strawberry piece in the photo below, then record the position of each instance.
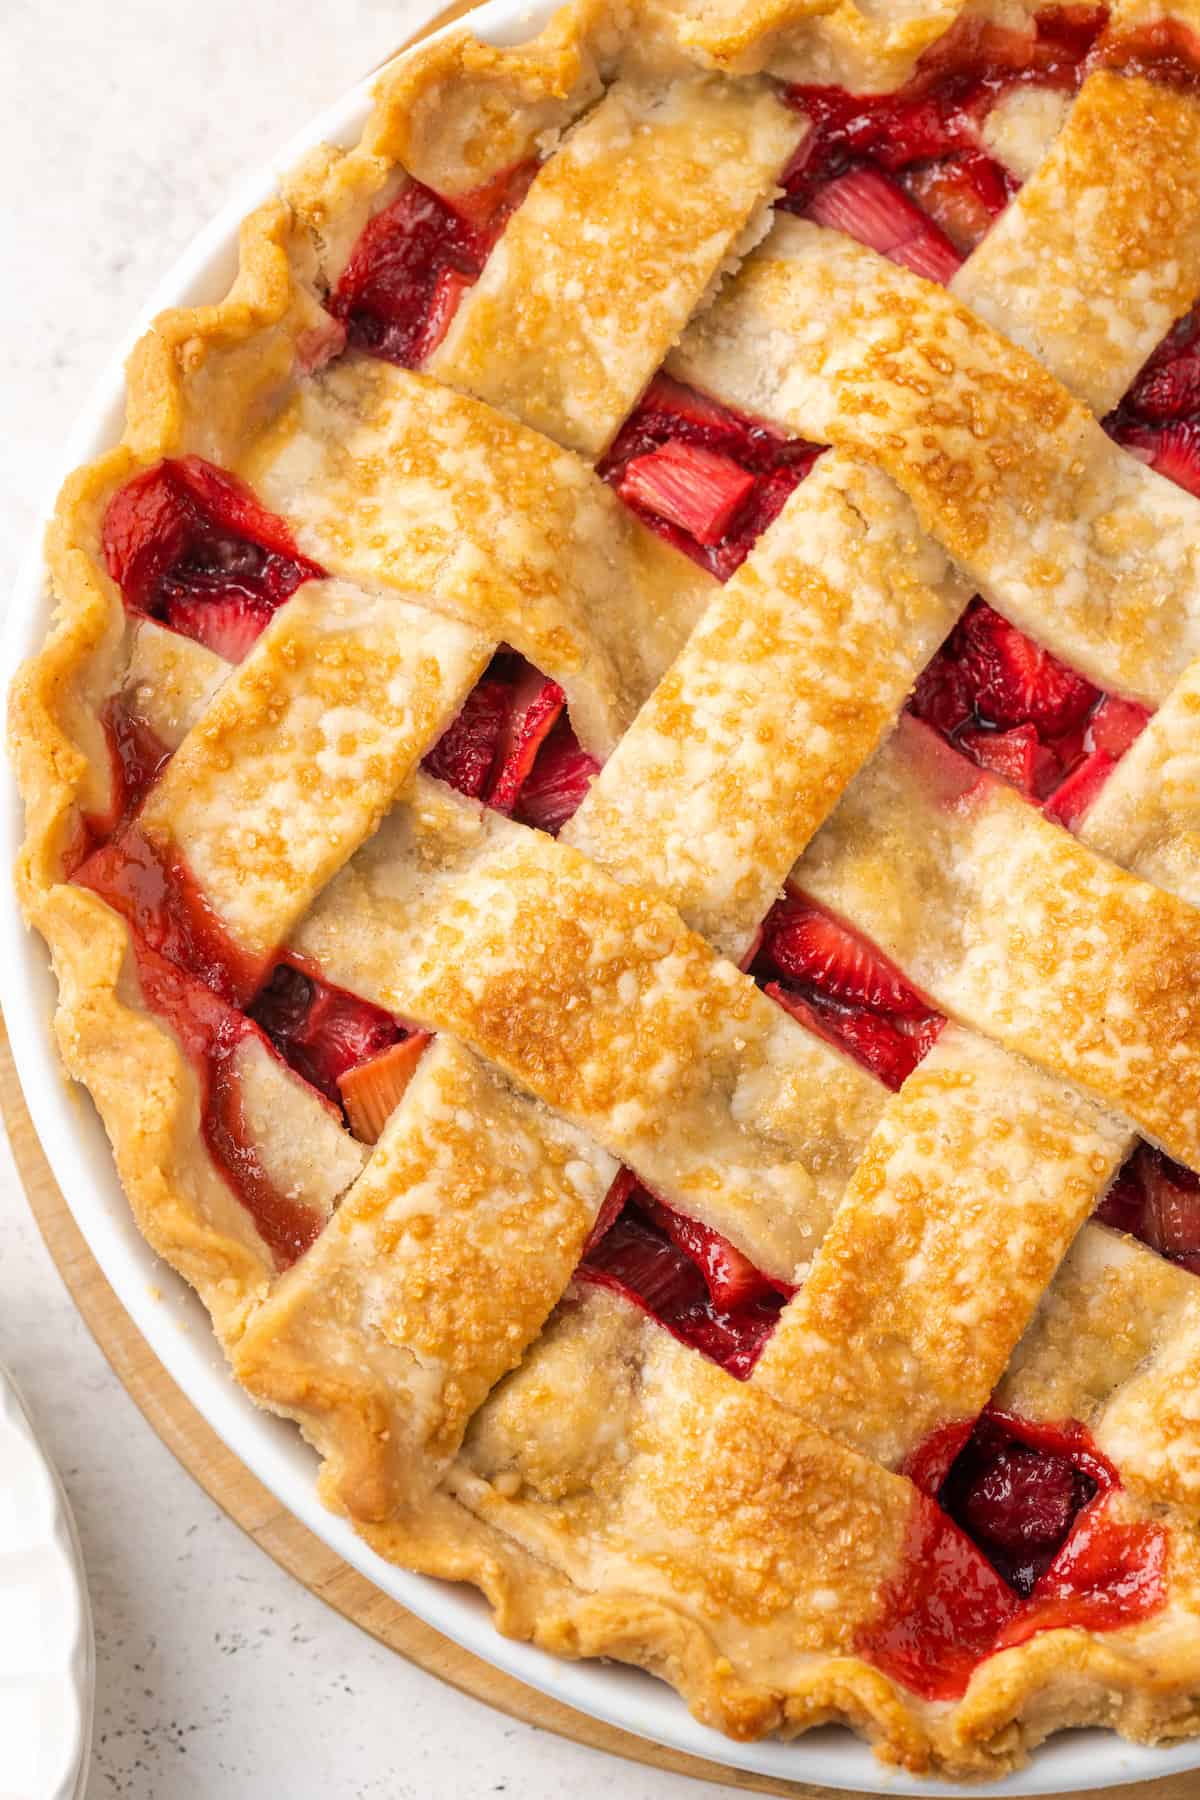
(1018, 1487)
(535, 705)
(371, 1091)
(944, 695)
(321, 1030)
(1115, 724)
(1168, 385)
(1171, 450)
(185, 533)
(624, 1184)
(386, 292)
(963, 195)
(1015, 682)
(1023, 1500)
(1171, 1218)
(1016, 755)
(1069, 802)
(731, 1278)
(414, 261)
(699, 490)
(464, 754)
(872, 1039)
(1124, 1205)
(554, 788)
(867, 205)
(229, 627)
(805, 944)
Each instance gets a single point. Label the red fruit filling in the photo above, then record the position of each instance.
(152, 888)
(1019, 1541)
(707, 479)
(322, 1030)
(1158, 420)
(868, 205)
(190, 545)
(554, 788)
(842, 988)
(137, 757)
(414, 261)
(943, 1614)
(512, 747)
(1014, 709)
(1157, 1201)
(210, 1032)
(1166, 51)
(684, 1274)
(906, 172)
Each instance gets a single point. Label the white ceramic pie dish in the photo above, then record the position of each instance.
(172, 1319)
(47, 1666)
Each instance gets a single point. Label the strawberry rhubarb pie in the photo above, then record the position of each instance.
(614, 792)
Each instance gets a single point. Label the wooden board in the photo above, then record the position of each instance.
(231, 1486)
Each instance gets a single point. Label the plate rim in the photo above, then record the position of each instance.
(79, 1665)
(77, 1151)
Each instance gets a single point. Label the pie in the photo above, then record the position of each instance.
(614, 793)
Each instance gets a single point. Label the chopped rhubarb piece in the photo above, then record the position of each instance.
(868, 205)
(732, 1279)
(634, 1254)
(1016, 755)
(805, 944)
(1068, 803)
(535, 706)
(636, 1259)
(371, 1091)
(1116, 723)
(464, 754)
(671, 414)
(190, 544)
(964, 196)
(555, 786)
(415, 260)
(696, 489)
(1171, 450)
(321, 1030)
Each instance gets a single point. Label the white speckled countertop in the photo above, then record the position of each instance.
(124, 125)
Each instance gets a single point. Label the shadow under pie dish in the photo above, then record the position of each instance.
(611, 795)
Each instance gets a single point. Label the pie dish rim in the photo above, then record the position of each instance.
(274, 1454)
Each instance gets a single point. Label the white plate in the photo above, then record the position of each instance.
(46, 1658)
(173, 1321)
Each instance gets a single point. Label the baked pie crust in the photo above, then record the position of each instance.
(568, 1022)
